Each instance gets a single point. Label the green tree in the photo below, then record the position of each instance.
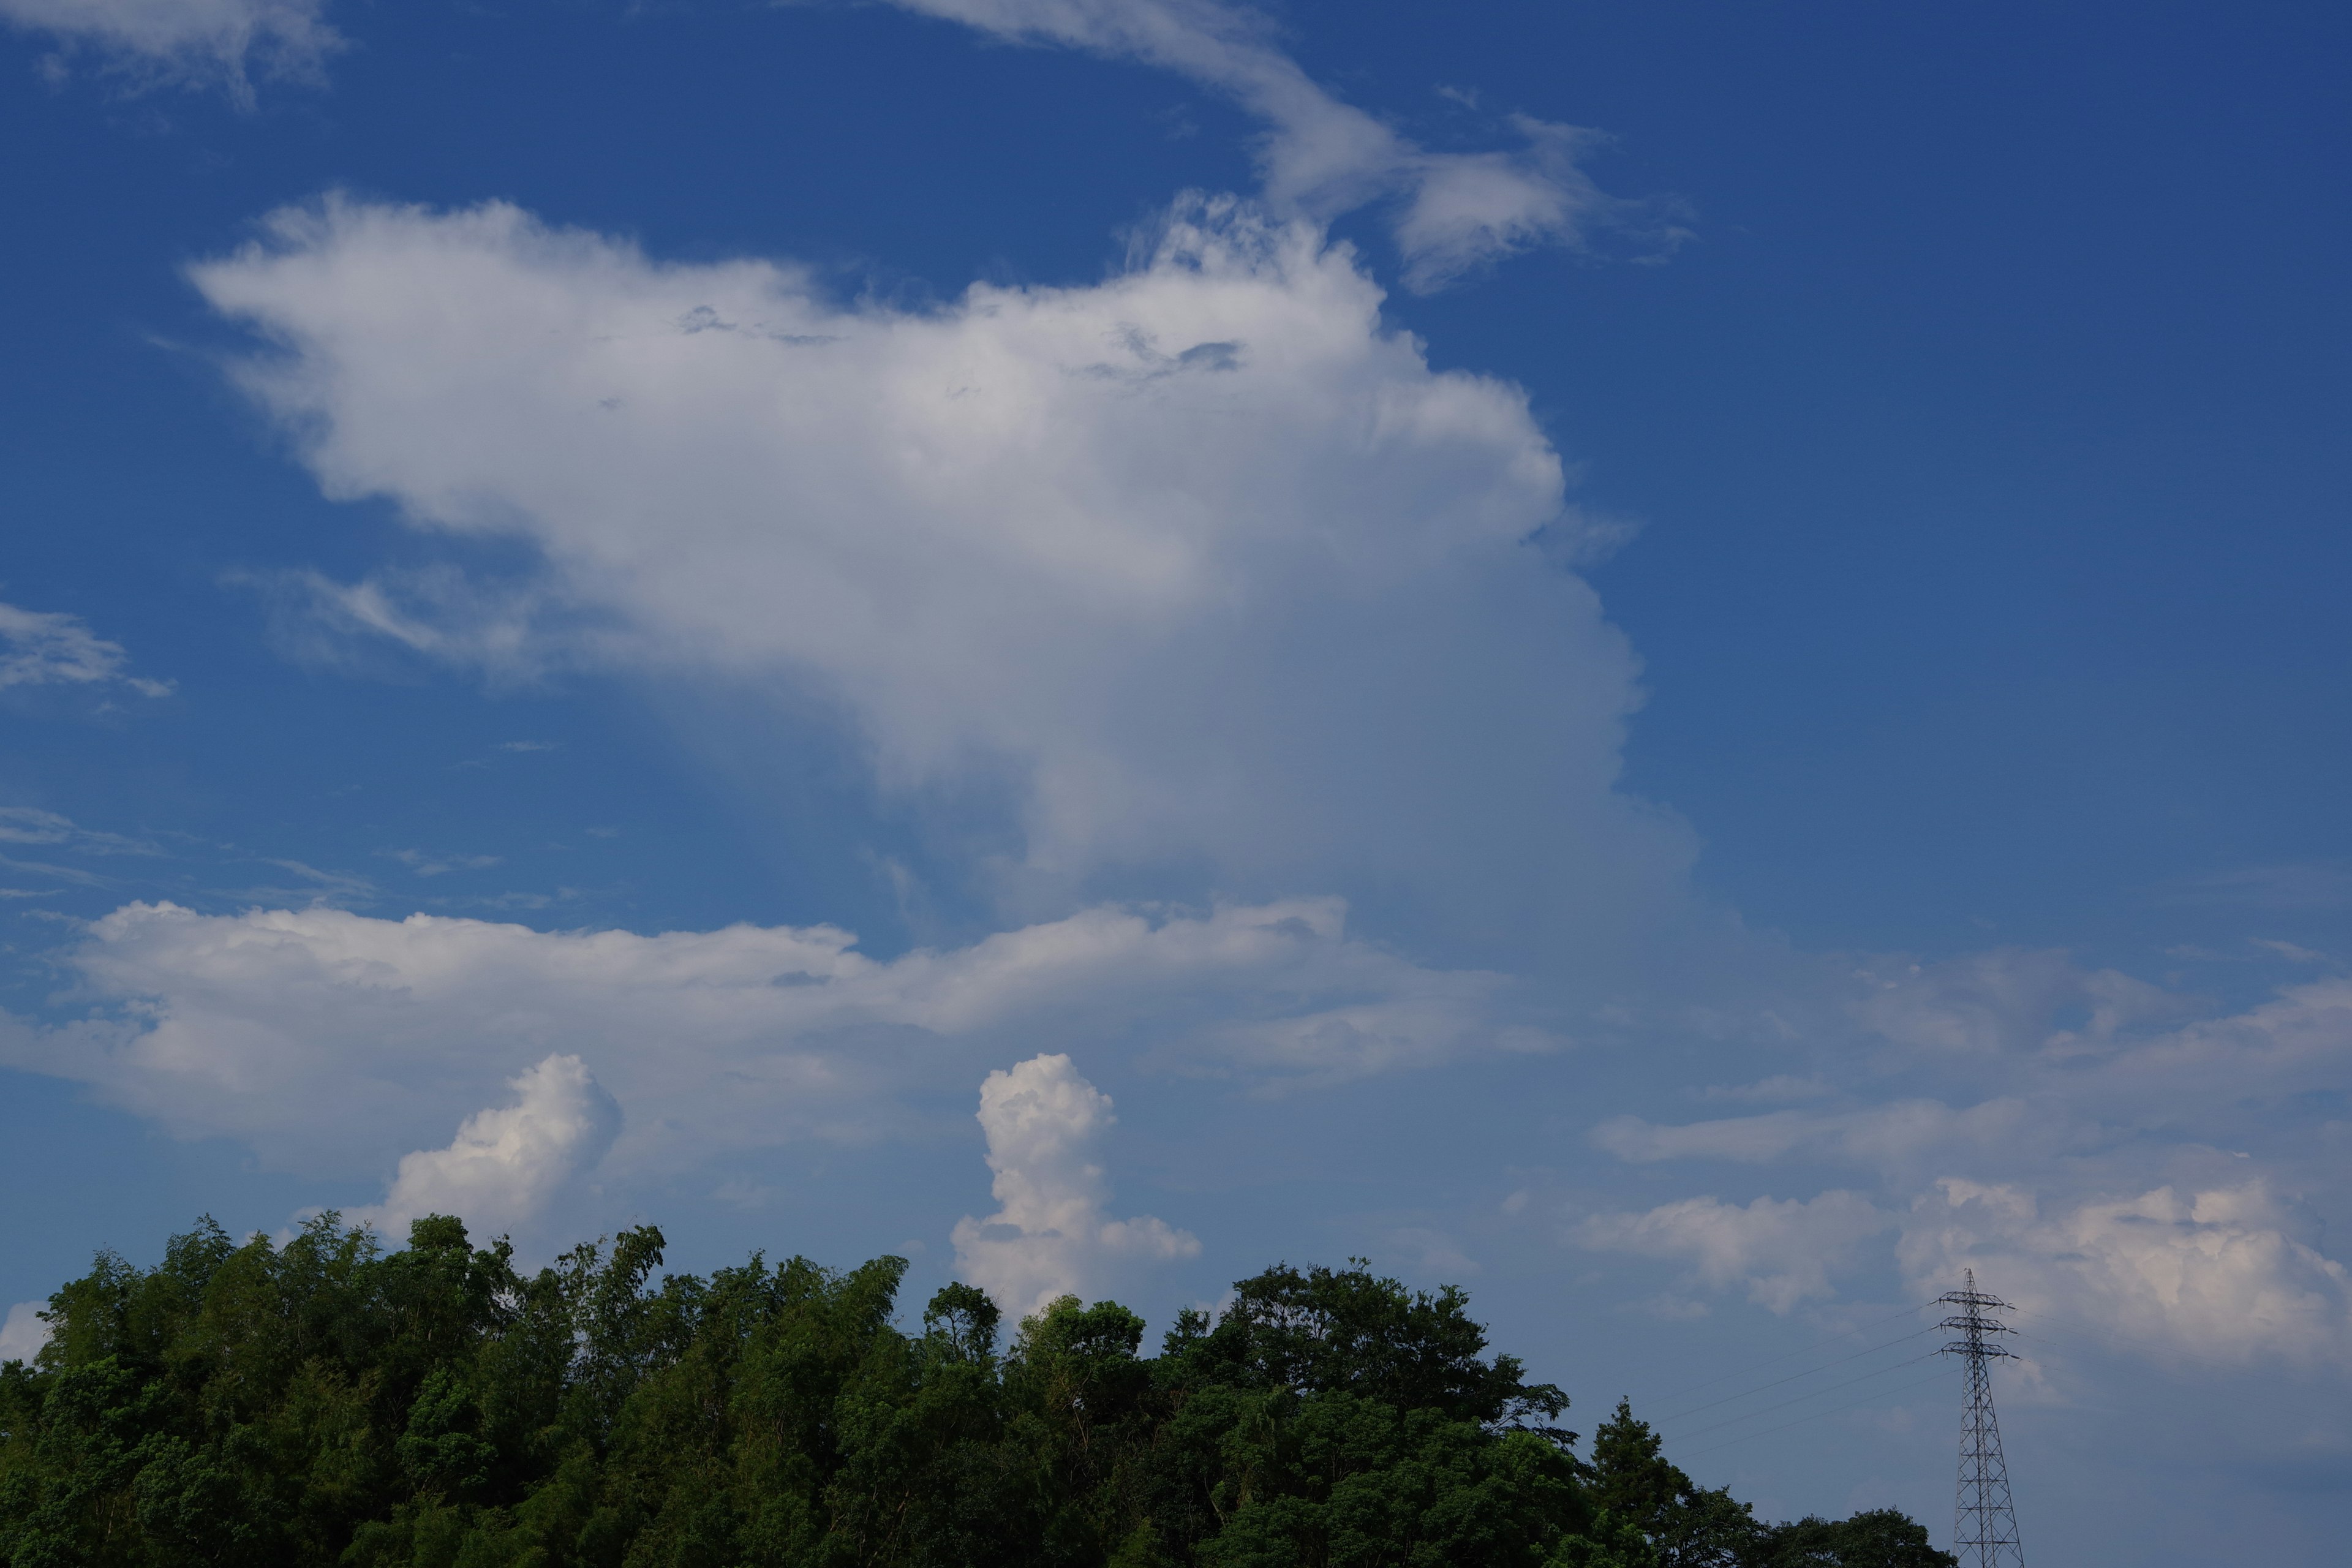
(1877, 1538)
(332, 1403)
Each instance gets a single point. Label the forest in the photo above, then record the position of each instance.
(328, 1401)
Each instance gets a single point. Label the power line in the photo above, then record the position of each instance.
(2092, 1327)
(1799, 1399)
(1795, 1375)
(1816, 1415)
(1805, 1350)
(1984, 1522)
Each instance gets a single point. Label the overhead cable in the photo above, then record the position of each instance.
(1803, 1349)
(1793, 1376)
(1801, 1398)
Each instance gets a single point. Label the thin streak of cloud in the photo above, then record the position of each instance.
(48, 647)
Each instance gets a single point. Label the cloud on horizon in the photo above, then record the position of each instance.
(507, 1163)
(1052, 1235)
(333, 1043)
(22, 1333)
(2093, 1154)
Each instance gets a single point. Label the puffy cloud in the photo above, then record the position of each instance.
(2215, 1273)
(507, 1162)
(193, 41)
(1051, 1235)
(24, 1333)
(45, 648)
(1201, 564)
(2157, 1185)
(332, 1041)
(1454, 210)
(1781, 1250)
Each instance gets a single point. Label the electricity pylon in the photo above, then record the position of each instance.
(1984, 1529)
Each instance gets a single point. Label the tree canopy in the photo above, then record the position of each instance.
(329, 1401)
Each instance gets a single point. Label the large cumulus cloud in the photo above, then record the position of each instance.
(1203, 566)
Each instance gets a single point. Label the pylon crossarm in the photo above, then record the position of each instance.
(1984, 1529)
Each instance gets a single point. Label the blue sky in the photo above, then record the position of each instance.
(1682, 662)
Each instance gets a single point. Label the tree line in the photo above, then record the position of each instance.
(331, 1402)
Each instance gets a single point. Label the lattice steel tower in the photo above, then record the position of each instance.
(1984, 1531)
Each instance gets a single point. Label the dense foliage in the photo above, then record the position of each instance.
(327, 1402)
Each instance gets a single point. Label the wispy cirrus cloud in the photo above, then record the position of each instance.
(44, 648)
(2287, 887)
(195, 43)
(425, 863)
(30, 825)
(1874, 1135)
(2008, 1000)
(1452, 212)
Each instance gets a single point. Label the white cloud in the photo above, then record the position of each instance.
(2215, 1273)
(2008, 1000)
(1051, 1235)
(2299, 1042)
(1781, 1088)
(2075, 1059)
(30, 825)
(45, 648)
(194, 41)
(1887, 1135)
(506, 1164)
(1201, 564)
(24, 1333)
(49, 830)
(332, 1041)
(1783, 1250)
(425, 864)
(2130, 1177)
(434, 610)
(1456, 211)
(2296, 886)
(1430, 1252)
